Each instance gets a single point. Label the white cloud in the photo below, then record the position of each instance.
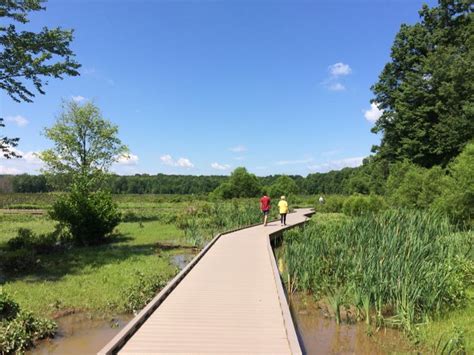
(19, 120)
(292, 162)
(218, 166)
(28, 163)
(373, 114)
(181, 162)
(238, 149)
(339, 69)
(32, 158)
(78, 98)
(184, 163)
(336, 87)
(337, 164)
(128, 159)
(239, 158)
(5, 170)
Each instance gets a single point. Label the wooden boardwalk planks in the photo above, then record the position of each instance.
(230, 301)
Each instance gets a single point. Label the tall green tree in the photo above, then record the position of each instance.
(284, 185)
(240, 184)
(426, 90)
(85, 144)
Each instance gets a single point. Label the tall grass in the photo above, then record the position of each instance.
(200, 222)
(397, 267)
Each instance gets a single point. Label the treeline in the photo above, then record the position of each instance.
(134, 184)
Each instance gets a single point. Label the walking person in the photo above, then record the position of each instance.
(265, 208)
(283, 207)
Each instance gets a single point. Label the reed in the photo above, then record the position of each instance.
(397, 267)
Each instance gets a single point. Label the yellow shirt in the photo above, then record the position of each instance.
(283, 206)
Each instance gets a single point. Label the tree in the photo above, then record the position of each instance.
(284, 185)
(85, 144)
(30, 56)
(241, 184)
(426, 91)
(457, 199)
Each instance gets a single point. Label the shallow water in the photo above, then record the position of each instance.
(81, 335)
(321, 335)
(78, 334)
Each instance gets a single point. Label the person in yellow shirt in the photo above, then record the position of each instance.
(283, 207)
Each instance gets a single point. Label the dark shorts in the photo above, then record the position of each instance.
(266, 212)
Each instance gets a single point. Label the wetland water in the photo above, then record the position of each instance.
(80, 335)
(321, 335)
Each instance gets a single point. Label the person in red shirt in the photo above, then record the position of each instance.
(265, 207)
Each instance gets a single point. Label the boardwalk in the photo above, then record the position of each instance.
(230, 301)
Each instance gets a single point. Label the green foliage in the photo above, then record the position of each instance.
(19, 329)
(241, 184)
(20, 333)
(411, 186)
(142, 291)
(332, 204)
(283, 186)
(6, 144)
(426, 90)
(85, 144)
(89, 217)
(358, 205)
(457, 198)
(30, 56)
(8, 308)
(396, 267)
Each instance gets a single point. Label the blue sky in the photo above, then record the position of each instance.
(201, 87)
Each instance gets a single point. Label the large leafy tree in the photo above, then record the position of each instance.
(85, 144)
(29, 57)
(426, 90)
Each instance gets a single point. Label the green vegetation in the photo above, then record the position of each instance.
(85, 146)
(396, 268)
(426, 90)
(20, 329)
(241, 184)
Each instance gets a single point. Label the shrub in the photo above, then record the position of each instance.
(89, 217)
(39, 243)
(8, 308)
(332, 204)
(20, 333)
(358, 205)
(457, 199)
(142, 291)
(19, 329)
(18, 260)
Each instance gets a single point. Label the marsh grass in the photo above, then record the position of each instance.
(399, 268)
(92, 278)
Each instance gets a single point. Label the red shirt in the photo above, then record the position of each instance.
(265, 203)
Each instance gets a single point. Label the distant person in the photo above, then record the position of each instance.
(283, 207)
(321, 200)
(265, 207)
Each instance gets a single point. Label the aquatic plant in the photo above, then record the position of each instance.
(397, 267)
